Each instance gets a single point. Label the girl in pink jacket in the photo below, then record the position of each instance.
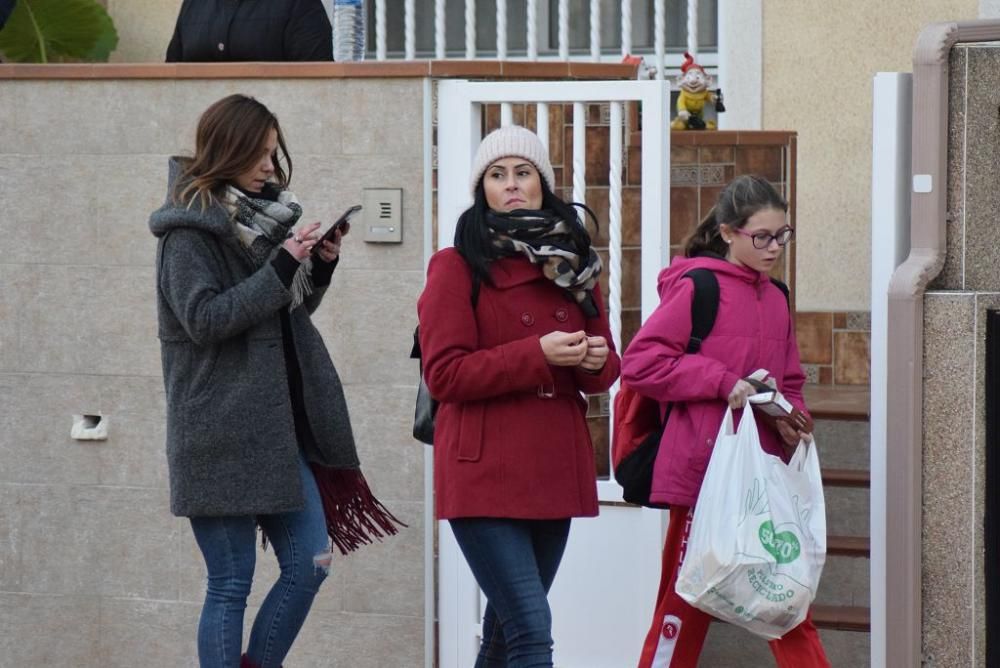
(740, 241)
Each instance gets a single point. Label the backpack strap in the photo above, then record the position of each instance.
(784, 289)
(704, 306)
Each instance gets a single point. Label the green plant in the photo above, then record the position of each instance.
(42, 31)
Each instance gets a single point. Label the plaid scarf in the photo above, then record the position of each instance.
(545, 240)
(262, 225)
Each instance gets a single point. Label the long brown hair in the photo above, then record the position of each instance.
(230, 136)
(742, 198)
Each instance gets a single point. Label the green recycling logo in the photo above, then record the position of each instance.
(784, 546)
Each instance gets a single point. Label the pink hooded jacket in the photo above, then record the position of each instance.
(753, 330)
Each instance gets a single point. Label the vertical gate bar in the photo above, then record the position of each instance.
(439, 25)
(615, 226)
(580, 153)
(501, 29)
(542, 125)
(470, 29)
(410, 28)
(379, 29)
(506, 114)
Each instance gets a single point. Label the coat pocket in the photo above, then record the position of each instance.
(470, 431)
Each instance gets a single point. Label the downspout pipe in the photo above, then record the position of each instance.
(904, 410)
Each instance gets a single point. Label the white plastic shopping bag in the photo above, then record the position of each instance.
(758, 537)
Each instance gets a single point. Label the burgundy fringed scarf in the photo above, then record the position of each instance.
(354, 517)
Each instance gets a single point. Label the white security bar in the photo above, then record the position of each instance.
(439, 25)
(692, 28)
(501, 29)
(410, 27)
(595, 30)
(379, 29)
(470, 29)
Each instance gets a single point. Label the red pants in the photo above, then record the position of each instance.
(678, 631)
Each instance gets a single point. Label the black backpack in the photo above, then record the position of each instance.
(426, 406)
(634, 470)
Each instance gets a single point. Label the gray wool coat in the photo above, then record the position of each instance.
(231, 444)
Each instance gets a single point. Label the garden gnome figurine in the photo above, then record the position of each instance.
(694, 84)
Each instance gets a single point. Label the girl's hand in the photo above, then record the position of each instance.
(330, 250)
(790, 435)
(564, 348)
(597, 354)
(302, 242)
(738, 395)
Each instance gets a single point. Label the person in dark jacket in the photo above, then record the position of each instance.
(513, 459)
(258, 433)
(251, 30)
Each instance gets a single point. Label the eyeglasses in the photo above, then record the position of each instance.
(762, 240)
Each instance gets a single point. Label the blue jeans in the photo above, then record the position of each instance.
(228, 544)
(514, 562)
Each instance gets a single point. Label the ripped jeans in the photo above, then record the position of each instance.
(229, 546)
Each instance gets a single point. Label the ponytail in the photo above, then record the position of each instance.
(706, 238)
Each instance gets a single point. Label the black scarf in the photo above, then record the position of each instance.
(545, 239)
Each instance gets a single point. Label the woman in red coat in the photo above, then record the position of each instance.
(513, 334)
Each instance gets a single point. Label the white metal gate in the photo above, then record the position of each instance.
(603, 597)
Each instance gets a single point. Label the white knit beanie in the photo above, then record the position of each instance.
(512, 141)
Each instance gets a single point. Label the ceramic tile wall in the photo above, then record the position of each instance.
(835, 346)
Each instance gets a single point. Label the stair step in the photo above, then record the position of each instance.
(846, 478)
(848, 546)
(838, 402)
(842, 617)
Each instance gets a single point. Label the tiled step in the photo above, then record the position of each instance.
(848, 546)
(728, 646)
(846, 478)
(842, 617)
(838, 402)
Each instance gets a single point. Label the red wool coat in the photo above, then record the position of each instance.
(502, 447)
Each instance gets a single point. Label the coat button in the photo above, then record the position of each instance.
(222, 47)
(527, 319)
(562, 315)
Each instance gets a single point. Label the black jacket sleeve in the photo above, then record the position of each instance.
(308, 34)
(175, 50)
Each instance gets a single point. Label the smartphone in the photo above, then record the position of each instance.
(343, 224)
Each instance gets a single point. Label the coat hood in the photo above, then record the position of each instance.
(720, 266)
(215, 219)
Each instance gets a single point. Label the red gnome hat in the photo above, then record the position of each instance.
(689, 64)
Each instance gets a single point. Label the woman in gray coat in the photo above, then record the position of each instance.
(258, 433)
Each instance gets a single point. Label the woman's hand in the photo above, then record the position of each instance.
(738, 395)
(330, 250)
(302, 242)
(564, 348)
(597, 354)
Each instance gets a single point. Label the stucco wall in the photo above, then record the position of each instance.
(93, 568)
(819, 61)
(144, 29)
